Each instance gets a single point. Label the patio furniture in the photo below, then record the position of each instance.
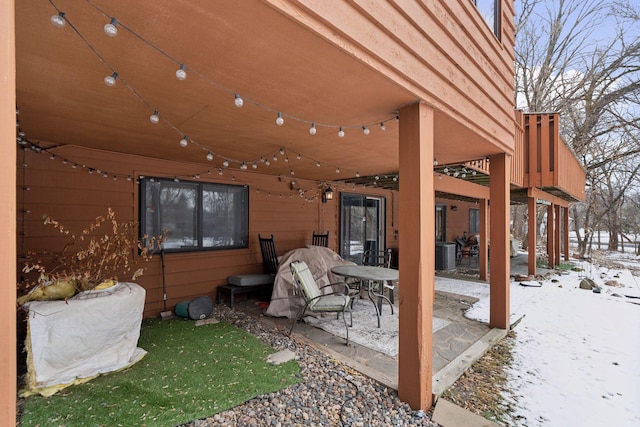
(375, 279)
(269, 254)
(245, 284)
(320, 239)
(379, 258)
(317, 302)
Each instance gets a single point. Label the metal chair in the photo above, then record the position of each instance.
(320, 239)
(269, 254)
(379, 258)
(317, 302)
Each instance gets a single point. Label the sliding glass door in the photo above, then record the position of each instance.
(361, 225)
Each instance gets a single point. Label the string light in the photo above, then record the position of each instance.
(110, 29)
(382, 126)
(210, 156)
(243, 166)
(225, 163)
(58, 20)
(365, 130)
(341, 133)
(239, 101)
(111, 80)
(184, 141)
(181, 74)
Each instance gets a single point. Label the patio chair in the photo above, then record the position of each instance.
(378, 258)
(317, 302)
(320, 239)
(269, 254)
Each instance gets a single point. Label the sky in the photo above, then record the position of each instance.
(576, 352)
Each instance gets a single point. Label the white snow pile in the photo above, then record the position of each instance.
(577, 351)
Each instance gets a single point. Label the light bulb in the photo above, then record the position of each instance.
(181, 74)
(280, 120)
(435, 162)
(243, 166)
(155, 117)
(219, 171)
(382, 126)
(111, 80)
(298, 157)
(238, 101)
(341, 133)
(338, 170)
(312, 129)
(365, 130)
(318, 164)
(254, 165)
(292, 172)
(209, 156)
(184, 141)
(225, 163)
(281, 150)
(110, 29)
(275, 158)
(58, 20)
(357, 174)
(267, 162)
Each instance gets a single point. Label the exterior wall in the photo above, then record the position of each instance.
(75, 198)
(444, 52)
(458, 220)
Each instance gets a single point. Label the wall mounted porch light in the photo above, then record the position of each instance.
(327, 194)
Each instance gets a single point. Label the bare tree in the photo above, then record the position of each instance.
(582, 59)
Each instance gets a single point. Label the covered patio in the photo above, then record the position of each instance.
(281, 98)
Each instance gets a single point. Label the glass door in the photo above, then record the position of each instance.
(361, 225)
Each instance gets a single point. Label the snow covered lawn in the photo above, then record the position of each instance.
(577, 353)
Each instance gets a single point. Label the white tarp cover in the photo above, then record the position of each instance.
(90, 334)
(284, 303)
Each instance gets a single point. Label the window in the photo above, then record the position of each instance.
(196, 215)
(474, 221)
(490, 11)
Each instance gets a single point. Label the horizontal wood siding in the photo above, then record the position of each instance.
(443, 51)
(75, 198)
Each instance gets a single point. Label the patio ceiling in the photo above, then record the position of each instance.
(274, 62)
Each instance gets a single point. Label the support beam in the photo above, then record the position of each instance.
(417, 263)
(483, 204)
(8, 358)
(499, 184)
(556, 236)
(532, 239)
(551, 234)
(566, 234)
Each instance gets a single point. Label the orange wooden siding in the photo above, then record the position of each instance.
(75, 198)
(548, 163)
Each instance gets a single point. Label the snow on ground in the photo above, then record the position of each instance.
(576, 353)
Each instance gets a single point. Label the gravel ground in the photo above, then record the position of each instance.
(330, 393)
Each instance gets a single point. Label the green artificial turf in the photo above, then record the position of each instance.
(189, 373)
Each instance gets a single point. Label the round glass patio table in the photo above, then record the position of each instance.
(374, 278)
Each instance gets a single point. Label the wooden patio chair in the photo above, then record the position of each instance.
(269, 254)
(317, 302)
(320, 239)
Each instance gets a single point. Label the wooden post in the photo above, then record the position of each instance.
(417, 263)
(499, 185)
(550, 235)
(8, 358)
(532, 240)
(556, 238)
(567, 251)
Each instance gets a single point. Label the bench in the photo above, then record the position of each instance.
(245, 284)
